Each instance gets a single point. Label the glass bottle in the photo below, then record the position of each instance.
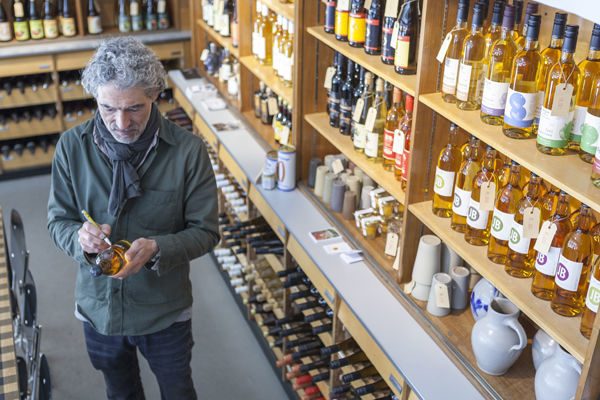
(445, 175)
(287, 57)
(329, 23)
(573, 267)
(591, 302)
(505, 207)
(334, 94)
(265, 117)
(493, 32)
(392, 122)
(549, 202)
(94, 23)
(531, 9)
(256, 39)
(50, 23)
(36, 27)
(278, 36)
(373, 30)
(111, 260)
(226, 18)
(405, 58)
(151, 17)
(265, 32)
(359, 135)
(521, 255)
(137, 19)
(478, 221)
(463, 187)
(5, 30)
(591, 126)
(554, 132)
(347, 92)
(235, 27)
(162, 14)
(389, 18)
(590, 69)
(470, 79)
(342, 9)
(452, 60)
(359, 86)
(357, 24)
(374, 143)
(20, 25)
(545, 264)
(258, 95)
(518, 4)
(401, 165)
(124, 18)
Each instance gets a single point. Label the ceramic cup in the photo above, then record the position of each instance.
(337, 195)
(320, 179)
(450, 258)
(312, 171)
(365, 197)
(328, 160)
(427, 263)
(328, 187)
(433, 307)
(460, 287)
(349, 205)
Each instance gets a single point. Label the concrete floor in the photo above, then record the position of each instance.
(227, 362)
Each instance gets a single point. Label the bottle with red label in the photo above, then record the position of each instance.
(392, 122)
(401, 166)
(373, 32)
(405, 58)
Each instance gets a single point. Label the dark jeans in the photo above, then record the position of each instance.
(168, 353)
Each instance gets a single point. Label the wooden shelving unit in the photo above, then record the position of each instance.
(223, 41)
(29, 97)
(23, 129)
(27, 160)
(266, 74)
(285, 9)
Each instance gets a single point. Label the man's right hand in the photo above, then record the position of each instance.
(91, 238)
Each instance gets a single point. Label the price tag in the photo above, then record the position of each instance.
(531, 222)
(442, 298)
(408, 288)
(562, 100)
(337, 166)
(391, 244)
(343, 5)
(204, 55)
(391, 8)
(284, 136)
(441, 55)
(544, 239)
(329, 77)
(394, 38)
(487, 196)
(360, 104)
(370, 121)
(367, 4)
(272, 106)
(398, 145)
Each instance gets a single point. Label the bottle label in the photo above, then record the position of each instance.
(360, 136)
(261, 47)
(540, 104)
(520, 108)
(124, 23)
(578, 121)
(568, 273)
(21, 30)
(372, 145)
(590, 131)
(341, 23)
(554, 131)
(94, 25)
(151, 22)
(464, 81)
(288, 68)
(405, 159)
(36, 28)
(402, 50)
(137, 23)
(547, 263)
(450, 75)
(5, 32)
(330, 15)
(593, 295)
(517, 241)
(388, 144)
(68, 27)
(476, 217)
(501, 224)
(373, 34)
(460, 206)
(444, 182)
(494, 97)
(387, 52)
(134, 8)
(357, 28)
(161, 6)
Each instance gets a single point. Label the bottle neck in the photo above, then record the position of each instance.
(584, 219)
(489, 161)
(476, 29)
(562, 208)
(566, 57)
(514, 175)
(556, 43)
(533, 190)
(593, 55)
(453, 137)
(461, 25)
(531, 45)
(506, 33)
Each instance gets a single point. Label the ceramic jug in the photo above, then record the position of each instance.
(498, 338)
(481, 297)
(557, 376)
(542, 347)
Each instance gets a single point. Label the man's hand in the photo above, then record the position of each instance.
(91, 239)
(140, 252)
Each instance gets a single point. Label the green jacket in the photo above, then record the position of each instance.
(178, 209)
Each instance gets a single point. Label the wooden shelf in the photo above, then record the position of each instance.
(223, 41)
(320, 121)
(265, 131)
(407, 83)
(563, 329)
(265, 73)
(35, 127)
(29, 97)
(26, 160)
(567, 172)
(73, 92)
(285, 9)
(75, 119)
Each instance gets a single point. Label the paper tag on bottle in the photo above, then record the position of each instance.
(272, 105)
(442, 298)
(371, 117)
(562, 100)
(487, 196)
(284, 136)
(394, 38)
(545, 237)
(531, 222)
(391, 244)
(408, 288)
(360, 103)
(367, 4)
(391, 8)
(329, 77)
(441, 55)
(343, 5)
(204, 55)
(337, 166)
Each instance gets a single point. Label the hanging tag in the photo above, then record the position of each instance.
(337, 166)
(442, 298)
(367, 4)
(343, 5)
(391, 8)
(360, 104)
(487, 196)
(394, 38)
(204, 55)
(370, 121)
(329, 77)
(391, 244)
(441, 55)
(284, 136)
(531, 223)
(544, 239)
(562, 100)
(398, 145)
(272, 106)
(408, 288)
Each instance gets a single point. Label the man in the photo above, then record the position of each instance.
(148, 181)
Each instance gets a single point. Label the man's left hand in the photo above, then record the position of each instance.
(140, 252)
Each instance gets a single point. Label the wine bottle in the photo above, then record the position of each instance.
(329, 23)
(573, 267)
(346, 97)
(494, 31)
(20, 25)
(137, 19)
(354, 358)
(371, 387)
(345, 345)
(373, 31)
(531, 9)
(367, 372)
(265, 33)
(470, 74)
(300, 369)
(497, 81)
(359, 135)
(392, 123)
(163, 20)
(591, 129)
(478, 220)
(389, 19)
(36, 27)
(342, 10)
(591, 302)
(402, 152)
(151, 17)
(67, 22)
(374, 142)
(5, 29)
(357, 24)
(445, 175)
(452, 59)
(405, 58)
(335, 93)
(521, 255)
(545, 264)
(290, 344)
(463, 187)
(322, 328)
(518, 4)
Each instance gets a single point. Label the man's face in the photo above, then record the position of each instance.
(125, 112)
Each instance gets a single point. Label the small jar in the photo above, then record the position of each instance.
(375, 195)
(360, 214)
(370, 226)
(388, 206)
(383, 225)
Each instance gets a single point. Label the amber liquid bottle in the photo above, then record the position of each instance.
(463, 187)
(50, 23)
(549, 202)
(36, 27)
(110, 261)
(545, 264)
(573, 267)
(68, 21)
(521, 255)
(392, 123)
(401, 165)
(445, 175)
(591, 302)
(470, 72)
(357, 24)
(452, 59)
(478, 220)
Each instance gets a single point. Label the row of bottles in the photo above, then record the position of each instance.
(28, 23)
(219, 62)
(273, 42)
(375, 114)
(27, 114)
(221, 15)
(179, 116)
(273, 110)
(531, 228)
(34, 82)
(387, 28)
(135, 15)
(530, 93)
(12, 149)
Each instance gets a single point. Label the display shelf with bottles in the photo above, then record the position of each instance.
(27, 90)
(223, 41)
(277, 6)
(265, 74)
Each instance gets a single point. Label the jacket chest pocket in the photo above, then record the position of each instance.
(156, 211)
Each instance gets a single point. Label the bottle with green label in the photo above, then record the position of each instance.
(478, 220)
(574, 264)
(36, 27)
(463, 187)
(445, 175)
(591, 125)
(591, 302)
(20, 24)
(521, 255)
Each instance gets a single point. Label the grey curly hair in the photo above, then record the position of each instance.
(126, 63)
